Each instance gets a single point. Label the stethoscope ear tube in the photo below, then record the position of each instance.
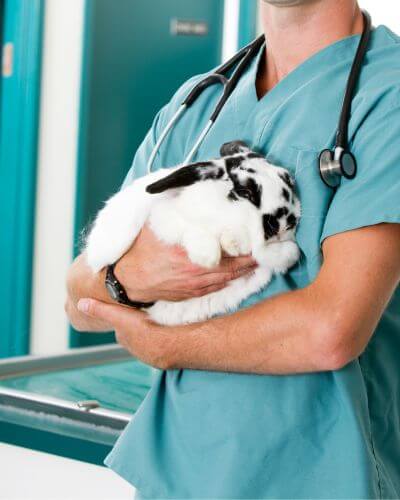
(354, 75)
(202, 85)
(243, 58)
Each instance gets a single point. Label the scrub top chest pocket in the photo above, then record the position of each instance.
(315, 197)
(314, 194)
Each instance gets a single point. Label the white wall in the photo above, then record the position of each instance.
(58, 130)
(384, 12)
(231, 28)
(30, 475)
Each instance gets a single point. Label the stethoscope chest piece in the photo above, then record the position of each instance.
(335, 164)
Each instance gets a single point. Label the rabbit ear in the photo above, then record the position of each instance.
(233, 147)
(186, 176)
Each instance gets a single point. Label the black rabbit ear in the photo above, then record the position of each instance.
(233, 147)
(186, 176)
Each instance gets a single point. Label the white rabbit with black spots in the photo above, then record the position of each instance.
(238, 203)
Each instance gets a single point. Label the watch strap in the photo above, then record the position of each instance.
(118, 292)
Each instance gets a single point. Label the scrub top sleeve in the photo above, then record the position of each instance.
(373, 196)
(142, 155)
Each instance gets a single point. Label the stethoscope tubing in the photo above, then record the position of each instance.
(243, 58)
(342, 131)
(163, 135)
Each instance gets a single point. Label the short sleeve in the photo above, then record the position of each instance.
(142, 155)
(373, 196)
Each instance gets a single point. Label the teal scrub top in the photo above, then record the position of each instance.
(336, 434)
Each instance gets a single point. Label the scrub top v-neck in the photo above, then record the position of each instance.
(203, 434)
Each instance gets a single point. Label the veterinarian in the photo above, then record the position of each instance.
(297, 394)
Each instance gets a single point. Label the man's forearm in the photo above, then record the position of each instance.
(284, 334)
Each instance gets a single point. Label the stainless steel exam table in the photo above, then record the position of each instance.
(74, 404)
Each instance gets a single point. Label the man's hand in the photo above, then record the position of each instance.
(152, 270)
(133, 330)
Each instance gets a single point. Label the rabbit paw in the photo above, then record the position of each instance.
(282, 255)
(235, 244)
(202, 249)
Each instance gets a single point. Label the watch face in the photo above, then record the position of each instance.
(112, 290)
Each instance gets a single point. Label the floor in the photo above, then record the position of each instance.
(31, 475)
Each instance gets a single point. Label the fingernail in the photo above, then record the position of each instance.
(249, 268)
(83, 305)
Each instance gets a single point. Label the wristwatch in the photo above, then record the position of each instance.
(117, 291)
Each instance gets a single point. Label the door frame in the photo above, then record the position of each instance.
(20, 92)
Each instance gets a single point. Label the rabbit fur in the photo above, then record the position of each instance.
(238, 203)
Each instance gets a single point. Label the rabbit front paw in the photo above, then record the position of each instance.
(281, 256)
(203, 249)
(235, 244)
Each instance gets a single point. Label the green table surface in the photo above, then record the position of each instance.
(118, 385)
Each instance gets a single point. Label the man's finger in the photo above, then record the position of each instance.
(238, 262)
(238, 266)
(230, 265)
(219, 279)
(115, 315)
(210, 289)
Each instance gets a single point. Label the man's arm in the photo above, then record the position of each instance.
(321, 327)
(149, 271)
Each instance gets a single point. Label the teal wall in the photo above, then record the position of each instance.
(131, 67)
(247, 21)
(22, 25)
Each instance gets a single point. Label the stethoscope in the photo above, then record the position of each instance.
(333, 163)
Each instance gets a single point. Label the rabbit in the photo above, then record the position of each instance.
(239, 204)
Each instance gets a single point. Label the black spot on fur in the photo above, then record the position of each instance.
(251, 170)
(248, 189)
(270, 225)
(286, 194)
(232, 148)
(281, 212)
(233, 196)
(287, 180)
(186, 176)
(233, 162)
(291, 221)
(212, 174)
(252, 155)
